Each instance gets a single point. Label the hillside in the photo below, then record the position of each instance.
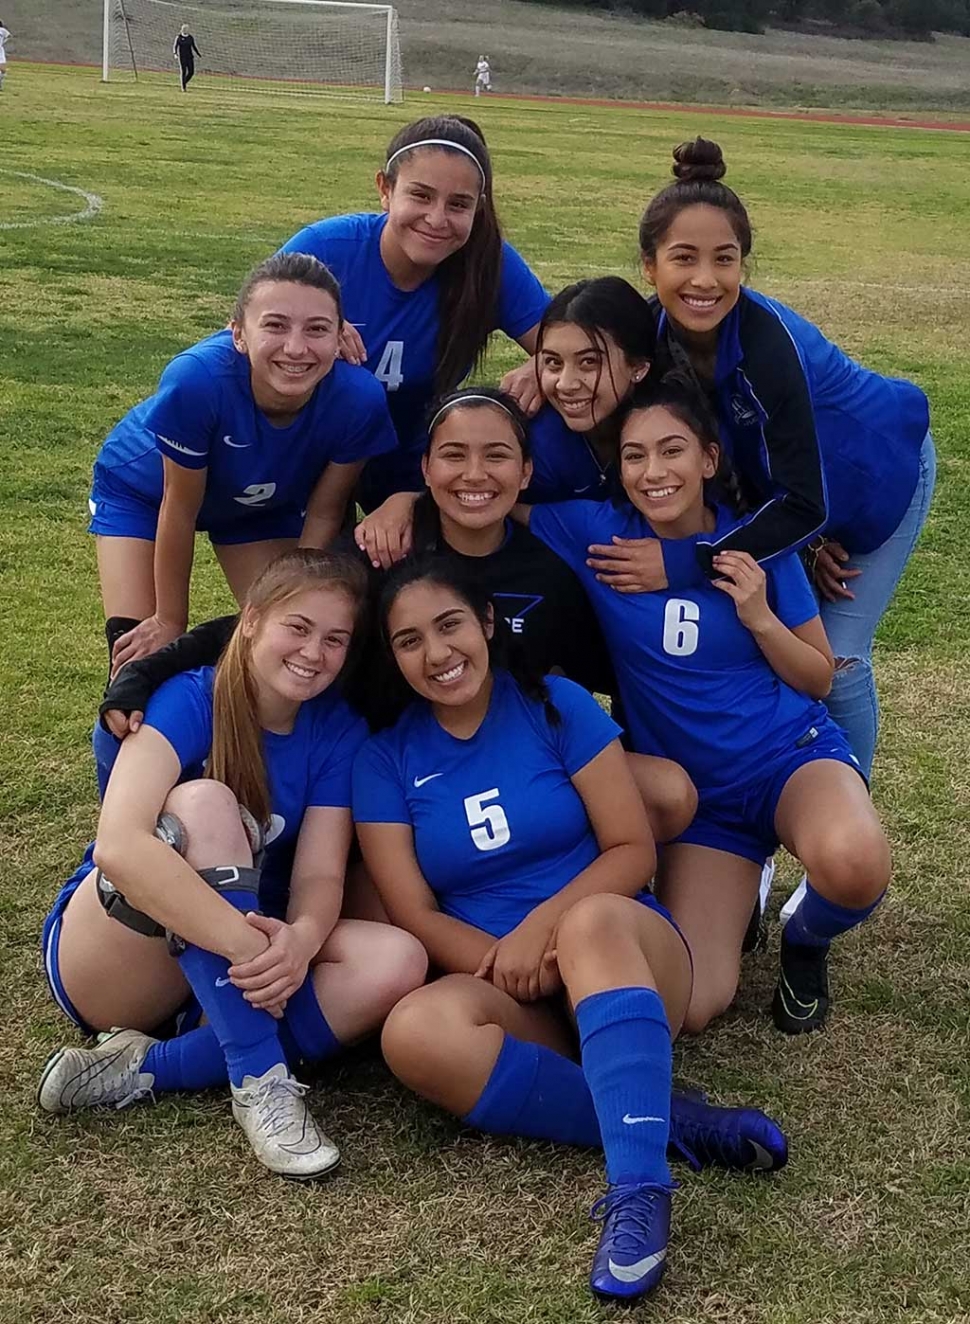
(545, 51)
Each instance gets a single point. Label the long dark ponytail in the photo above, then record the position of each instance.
(468, 281)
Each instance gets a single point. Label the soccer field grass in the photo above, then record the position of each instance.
(160, 1214)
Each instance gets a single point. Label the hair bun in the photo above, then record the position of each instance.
(699, 160)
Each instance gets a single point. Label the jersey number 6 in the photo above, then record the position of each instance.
(680, 630)
(490, 827)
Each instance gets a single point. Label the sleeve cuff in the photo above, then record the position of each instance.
(687, 562)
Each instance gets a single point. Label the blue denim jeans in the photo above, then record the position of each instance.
(851, 623)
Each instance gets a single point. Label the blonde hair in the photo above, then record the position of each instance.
(236, 758)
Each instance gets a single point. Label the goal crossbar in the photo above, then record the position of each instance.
(117, 13)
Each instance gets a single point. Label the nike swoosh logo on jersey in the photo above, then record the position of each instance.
(420, 781)
(632, 1273)
(177, 446)
(221, 983)
(236, 445)
(632, 1121)
(579, 490)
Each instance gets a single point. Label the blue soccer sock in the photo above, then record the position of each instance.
(536, 1092)
(193, 1061)
(304, 1031)
(246, 1034)
(817, 921)
(628, 1065)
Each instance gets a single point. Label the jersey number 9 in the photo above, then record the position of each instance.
(490, 827)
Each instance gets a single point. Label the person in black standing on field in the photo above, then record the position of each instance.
(185, 51)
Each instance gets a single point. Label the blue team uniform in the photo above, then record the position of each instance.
(820, 444)
(696, 687)
(498, 825)
(564, 464)
(309, 766)
(258, 477)
(400, 331)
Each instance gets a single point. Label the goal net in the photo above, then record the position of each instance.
(321, 46)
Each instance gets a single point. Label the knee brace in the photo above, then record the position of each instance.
(221, 878)
(173, 832)
(256, 834)
(169, 829)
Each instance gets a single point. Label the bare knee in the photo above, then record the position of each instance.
(422, 1028)
(400, 966)
(214, 833)
(592, 921)
(594, 926)
(675, 804)
(708, 1001)
(852, 866)
(668, 794)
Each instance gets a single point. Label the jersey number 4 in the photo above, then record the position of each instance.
(680, 627)
(390, 370)
(490, 827)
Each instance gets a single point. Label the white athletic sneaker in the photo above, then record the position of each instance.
(279, 1126)
(793, 902)
(109, 1074)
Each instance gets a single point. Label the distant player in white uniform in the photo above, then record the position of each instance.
(483, 76)
(4, 34)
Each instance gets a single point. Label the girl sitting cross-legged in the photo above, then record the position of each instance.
(502, 826)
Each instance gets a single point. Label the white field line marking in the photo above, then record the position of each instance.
(93, 203)
(270, 245)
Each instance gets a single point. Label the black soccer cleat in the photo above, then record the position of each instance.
(801, 1001)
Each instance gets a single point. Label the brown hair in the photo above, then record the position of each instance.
(468, 281)
(679, 394)
(294, 269)
(698, 168)
(604, 306)
(236, 758)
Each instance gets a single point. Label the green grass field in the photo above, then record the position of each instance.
(160, 1215)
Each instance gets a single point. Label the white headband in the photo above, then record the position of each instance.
(467, 399)
(436, 142)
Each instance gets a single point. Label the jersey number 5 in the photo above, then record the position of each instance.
(680, 629)
(490, 827)
(390, 370)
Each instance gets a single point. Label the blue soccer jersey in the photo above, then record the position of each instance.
(564, 464)
(498, 825)
(309, 766)
(695, 686)
(203, 416)
(400, 330)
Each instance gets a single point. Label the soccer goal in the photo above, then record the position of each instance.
(323, 46)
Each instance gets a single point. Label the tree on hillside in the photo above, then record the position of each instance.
(909, 18)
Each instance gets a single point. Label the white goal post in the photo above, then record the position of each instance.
(333, 47)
